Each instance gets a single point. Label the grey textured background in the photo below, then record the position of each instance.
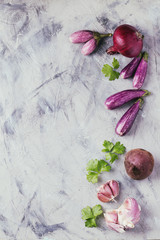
(53, 119)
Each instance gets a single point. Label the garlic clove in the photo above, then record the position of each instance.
(125, 217)
(129, 212)
(103, 198)
(108, 191)
(114, 185)
(111, 218)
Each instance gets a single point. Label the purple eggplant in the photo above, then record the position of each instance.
(130, 69)
(127, 120)
(120, 98)
(141, 72)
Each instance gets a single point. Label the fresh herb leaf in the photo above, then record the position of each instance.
(104, 166)
(92, 177)
(90, 214)
(118, 148)
(92, 165)
(108, 146)
(95, 167)
(114, 75)
(97, 210)
(90, 223)
(115, 63)
(111, 157)
(87, 213)
(109, 71)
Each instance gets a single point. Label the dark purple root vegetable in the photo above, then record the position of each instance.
(141, 72)
(139, 163)
(120, 98)
(127, 120)
(129, 70)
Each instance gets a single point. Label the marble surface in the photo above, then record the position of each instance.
(53, 118)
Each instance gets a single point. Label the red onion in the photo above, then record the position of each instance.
(126, 41)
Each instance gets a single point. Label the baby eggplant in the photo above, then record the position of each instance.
(120, 98)
(127, 120)
(141, 72)
(130, 69)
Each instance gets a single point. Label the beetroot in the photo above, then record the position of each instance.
(139, 163)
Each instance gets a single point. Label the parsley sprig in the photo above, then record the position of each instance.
(90, 214)
(95, 167)
(110, 72)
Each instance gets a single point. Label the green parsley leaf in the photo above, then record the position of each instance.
(108, 146)
(92, 165)
(95, 167)
(114, 75)
(87, 213)
(115, 63)
(92, 177)
(111, 157)
(118, 148)
(90, 214)
(90, 223)
(104, 166)
(108, 71)
(97, 210)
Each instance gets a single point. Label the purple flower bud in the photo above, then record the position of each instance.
(81, 36)
(89, 47)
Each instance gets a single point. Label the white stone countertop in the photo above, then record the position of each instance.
(53, 118)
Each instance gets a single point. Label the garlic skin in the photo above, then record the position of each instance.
(108, 191)
(125, 217)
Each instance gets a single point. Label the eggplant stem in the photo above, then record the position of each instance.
(147, 93)
(145, 56)
(141, 101)
(106, 35)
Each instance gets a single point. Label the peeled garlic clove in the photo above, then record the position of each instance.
(126, 216)
(108, 191)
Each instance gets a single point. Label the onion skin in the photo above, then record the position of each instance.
(126, 41)
(139, 163)
(127, 120)
(130, 69)
(120, 98)
(141, 72)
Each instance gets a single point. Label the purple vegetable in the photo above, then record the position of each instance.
(120, 98)
(126, 121)
(129, 70)
(91, 40)
(89, 47)
(81, 36)
(141, 72)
